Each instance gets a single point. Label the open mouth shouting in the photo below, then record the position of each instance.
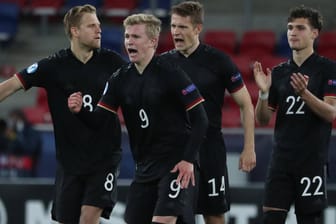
(132, 51)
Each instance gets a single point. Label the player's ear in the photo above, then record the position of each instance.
(74, 31)
(198, 28)
(154, 41)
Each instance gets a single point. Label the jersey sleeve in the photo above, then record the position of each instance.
(232, 76)
(330, 81)
(185, 90)
(35, 74)
(109, 100)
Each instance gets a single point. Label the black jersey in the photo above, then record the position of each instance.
(300, 134)
(78, 149)
(213, 72)
(154, 106)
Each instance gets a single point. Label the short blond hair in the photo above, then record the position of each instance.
(73, 17)
(153, 24)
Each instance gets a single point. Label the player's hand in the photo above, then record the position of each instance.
(185, 173)
(247, 160)
(75, 102)
(262, 80)
(299, 82)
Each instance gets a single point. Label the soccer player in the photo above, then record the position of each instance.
(213, 72)
(87, 160)
(302, 91)
(166, 123)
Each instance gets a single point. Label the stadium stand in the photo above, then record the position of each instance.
(112, 38)
(165, 42)
(117, 10)
(71, 3)
(45, 9)
(231, 116)
(256, 43)
(224, 40)
(282, 47)
(244, 65)
(6, 71)
(38, 113)
(9, 18)
(160, 8)
(326, 44)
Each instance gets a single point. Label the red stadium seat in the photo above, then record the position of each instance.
(118, 9)
(7, 71)
(36, 115)
(165, 42)
(42, 99)
(253, 90)
(39, 113)
(257, 43)
(231, 116)
(326, 45)
(20, 3)
(45, 9)
(223, 40)
(244, 65)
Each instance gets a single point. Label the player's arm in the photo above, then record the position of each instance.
(9, 86)
(91, 119)
(199, 124)
(263, 81)
(325, 108)
(248, 158)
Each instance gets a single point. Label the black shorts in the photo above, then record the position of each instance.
(214, 192)
(306, 188)
(98, 189)
(159, 198)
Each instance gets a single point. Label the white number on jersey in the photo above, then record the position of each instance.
(292, 102)
(144, 118)
(87, 102)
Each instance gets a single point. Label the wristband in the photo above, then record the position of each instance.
(263, 96)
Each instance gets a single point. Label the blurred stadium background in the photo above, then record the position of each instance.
(247, 30)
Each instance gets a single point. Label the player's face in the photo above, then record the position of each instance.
(140, 48)
(89, 32)
(300, 34)
(185, 34)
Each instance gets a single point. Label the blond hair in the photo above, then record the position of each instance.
(153, 24)
(73, 17)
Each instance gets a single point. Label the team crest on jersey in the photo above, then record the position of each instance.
(331, 82)
(32, 68)
(235, 77)
(189, 89)
(106, 88)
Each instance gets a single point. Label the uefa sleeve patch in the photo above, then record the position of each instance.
(31, 69)
(332, 82)
(188, 89)
(236, 77)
